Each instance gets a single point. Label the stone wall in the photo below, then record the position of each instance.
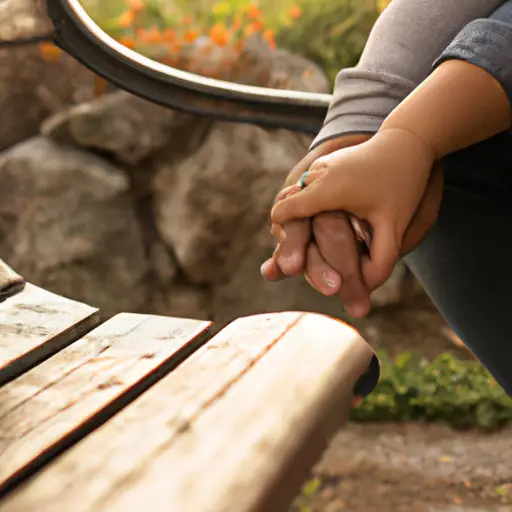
(130, 207)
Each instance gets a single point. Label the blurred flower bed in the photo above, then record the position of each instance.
(207, 37)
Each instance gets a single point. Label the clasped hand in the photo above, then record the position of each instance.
(385, 181)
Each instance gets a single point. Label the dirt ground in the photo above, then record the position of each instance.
(414, 467)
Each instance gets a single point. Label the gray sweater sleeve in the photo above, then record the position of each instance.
(487, 43)
(405, 41)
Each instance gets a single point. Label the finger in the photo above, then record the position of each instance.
(278, 232)
(289, 257)
(270, 270)
(288, 191)
(319, 196)
(338, 247)
(292, 252)
(384, 255)
(309, 178)
(319, 274)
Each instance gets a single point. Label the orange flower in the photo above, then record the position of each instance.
(50, 52)
(169, 35)
(253, 12)
(127, 19)
(295, 12)
(249, 30)
(128, 42)
(268, 36)
(153, 35)
(175, 47)
(219, 34)
(190, 36)
(135, 5)
(237, 22)
(255, 26)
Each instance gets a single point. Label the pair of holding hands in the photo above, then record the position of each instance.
(391, 186)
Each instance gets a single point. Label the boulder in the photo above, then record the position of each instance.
(32, 88)
(127, 128)
(210, 206)
(67, 223)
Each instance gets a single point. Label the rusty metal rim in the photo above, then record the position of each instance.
(80, 36)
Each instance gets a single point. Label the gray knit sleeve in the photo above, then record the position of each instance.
(407, 38)
(487, 43)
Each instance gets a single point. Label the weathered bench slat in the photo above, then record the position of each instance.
(62, 399)
(35, 324)
(236, 427)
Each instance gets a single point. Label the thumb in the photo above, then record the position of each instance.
(384, 255)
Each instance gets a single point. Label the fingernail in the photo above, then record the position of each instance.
(281, 235)
(264, 267)
(330, 279)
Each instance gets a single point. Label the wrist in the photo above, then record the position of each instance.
(408, 141)
(339, 142)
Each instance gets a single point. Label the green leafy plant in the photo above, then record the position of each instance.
(459, 392)
(331, 33)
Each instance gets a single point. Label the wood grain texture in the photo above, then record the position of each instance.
(64, 398)
(35, 324)
(11, 282)
(235, 428)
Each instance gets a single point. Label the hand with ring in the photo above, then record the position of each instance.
(323, 249)
(328, 248)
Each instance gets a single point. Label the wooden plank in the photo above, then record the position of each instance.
(56, 403)
(36, 323)
(235, 428)
(11, 282)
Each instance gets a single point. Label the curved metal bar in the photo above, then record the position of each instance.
(80, 36)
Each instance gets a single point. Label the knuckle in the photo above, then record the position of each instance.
(320, 164)
(334, 227)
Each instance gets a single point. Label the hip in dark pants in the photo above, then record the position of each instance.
(465, 263)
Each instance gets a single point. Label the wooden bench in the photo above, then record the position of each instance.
(151, 413)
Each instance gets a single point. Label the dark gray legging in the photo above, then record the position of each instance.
(465, 263)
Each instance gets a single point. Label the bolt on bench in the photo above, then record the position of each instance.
(149, 413)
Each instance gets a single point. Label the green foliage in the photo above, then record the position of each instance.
(309, 490)
(331, 33)
(461, 393)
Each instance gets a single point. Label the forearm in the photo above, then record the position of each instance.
(458, 105)
(406, 40)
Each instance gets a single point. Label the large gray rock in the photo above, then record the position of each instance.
(210, 205)
(257, 65)
(67, 224)
(31, 89)
(128, 128)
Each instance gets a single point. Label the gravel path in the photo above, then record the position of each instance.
(415, 468)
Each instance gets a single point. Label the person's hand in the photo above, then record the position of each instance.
(333, 240)
(381, 181)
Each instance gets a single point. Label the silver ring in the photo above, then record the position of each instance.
(302, 180)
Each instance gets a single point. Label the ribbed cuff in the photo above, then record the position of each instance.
(362, 99)
(486, 43)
